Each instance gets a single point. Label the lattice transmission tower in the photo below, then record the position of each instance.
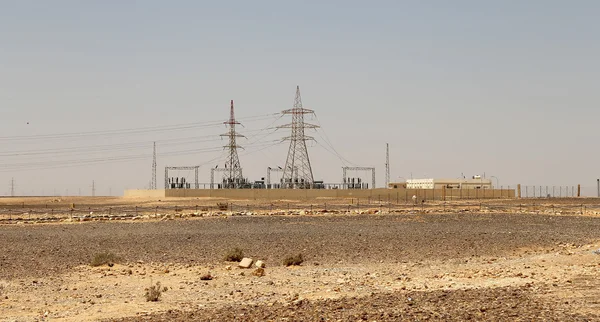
(153, 182)
(387, 165)
(232, 177)
(297, 173)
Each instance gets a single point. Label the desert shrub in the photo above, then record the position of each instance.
(154, 292)
(260, 272)
(104, 258)
(293, 260)
(234, 255)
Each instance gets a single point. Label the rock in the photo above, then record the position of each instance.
(260, 264)
(246, 262)
(228, 267)
(597, 251)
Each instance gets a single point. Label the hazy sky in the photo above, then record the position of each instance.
(509, 88)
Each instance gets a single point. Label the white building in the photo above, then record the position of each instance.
(474, 183)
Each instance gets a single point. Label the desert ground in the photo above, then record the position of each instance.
(495, 260)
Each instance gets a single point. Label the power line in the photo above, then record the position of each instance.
(41, 165)
(153, 129)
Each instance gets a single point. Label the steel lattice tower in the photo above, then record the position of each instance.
(387, 165)
(153, 182)
(297, 172)
(233, 177)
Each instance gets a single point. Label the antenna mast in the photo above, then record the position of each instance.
(297, 172)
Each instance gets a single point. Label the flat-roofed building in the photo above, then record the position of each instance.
(473, 183)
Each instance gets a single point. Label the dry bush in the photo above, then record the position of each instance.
(104, 258)
(154, 292)
(234, 255)
(293, 260)
(260, 272)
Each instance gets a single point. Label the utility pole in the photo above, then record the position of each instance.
(297, 172)
(233, 171)
(153, 183)
(12, 187)
(93, 188)
(598, 183)
(387, 165)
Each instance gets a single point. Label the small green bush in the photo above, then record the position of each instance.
(104, 258)
(293, 260)
(234, 255)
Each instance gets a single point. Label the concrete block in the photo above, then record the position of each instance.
(260, 264)
(246, 262)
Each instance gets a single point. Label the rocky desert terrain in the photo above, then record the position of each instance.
(441, 263)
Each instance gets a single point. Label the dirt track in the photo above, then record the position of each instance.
(387, 246)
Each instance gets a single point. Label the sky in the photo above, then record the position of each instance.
(508, 89)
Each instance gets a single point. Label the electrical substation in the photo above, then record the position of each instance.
(297, 172)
